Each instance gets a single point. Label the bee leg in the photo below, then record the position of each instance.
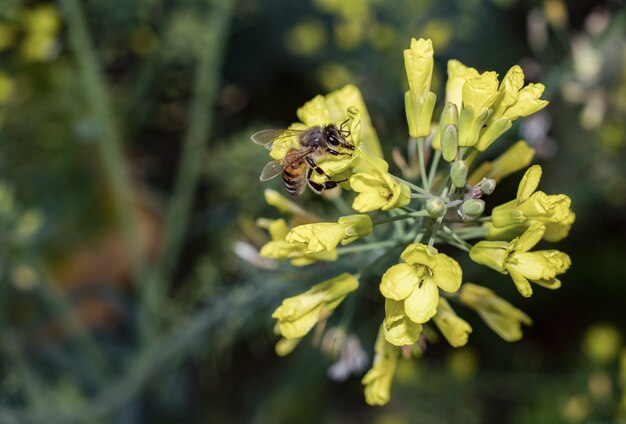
(318, 188)
(313, 166)
(336, 153)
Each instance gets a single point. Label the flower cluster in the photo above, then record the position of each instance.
(441, 205)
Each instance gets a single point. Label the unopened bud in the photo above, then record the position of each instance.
(458, 173)
(487, 185)
(450, 142)
(471, 209)
(435, 207)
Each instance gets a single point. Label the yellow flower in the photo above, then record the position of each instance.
(398, 329)
(514, 258)
(279, 248)
(479, 93)
(419, 100)
(325, 236)
(458, 73)
(416, 282)
(515, 158)
(378, 190)
(378, 379)
(331, 109)
(454, 329)
(297, 315)
(530, 207)
(499, 315)
(513, 102)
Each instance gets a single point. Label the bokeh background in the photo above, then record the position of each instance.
(129, 191)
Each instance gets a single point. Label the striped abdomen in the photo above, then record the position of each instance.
(294, 174)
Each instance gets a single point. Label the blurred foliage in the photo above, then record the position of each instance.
(127, 175)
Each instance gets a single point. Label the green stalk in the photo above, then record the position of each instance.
(420, 154)
(109, 142)
(190, 169)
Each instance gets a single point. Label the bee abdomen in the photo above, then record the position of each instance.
(293, 186)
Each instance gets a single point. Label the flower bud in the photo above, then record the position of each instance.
(472, 209)
(435, 207)
(450, 142)
(458, 173)
(487, 185)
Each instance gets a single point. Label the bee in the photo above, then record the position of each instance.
(298, 165)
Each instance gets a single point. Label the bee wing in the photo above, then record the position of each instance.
(271, 170)
(267, 137)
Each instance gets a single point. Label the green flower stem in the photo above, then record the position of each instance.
(437, 225)
(433, 166)
(413, 187)
(399, 217)
(420, 196)
(454, 204)
(464, 245)
(109, 141)
(469, 233)
(484, 219)
(193, 156)
(420, 154)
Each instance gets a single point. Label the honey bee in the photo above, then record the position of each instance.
(298, 164)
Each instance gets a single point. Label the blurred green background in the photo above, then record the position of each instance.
(128, 184)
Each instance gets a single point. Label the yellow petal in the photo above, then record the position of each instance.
(315, 112)
(454, 329)
(399, 281)
(510, 86)
(420, 254)
(528, 102)
(480, 92)
(399, 330)
(529, 183)
(447, 273)
(421, 305)
(490, 253)
(521, 282)
(378, 379)
(529, 239)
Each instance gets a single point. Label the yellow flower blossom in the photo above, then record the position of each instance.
(297, 315)
(455, 329)
(499, 315)
(514, 101)
(458, 73)
(378, 191)
(515, 158)
(378, 379)
(530, 206)
(514, 258)
(416, 282)
(279, 248)
(325, 236)
(479, 93)
(419, 100)
(398, 329)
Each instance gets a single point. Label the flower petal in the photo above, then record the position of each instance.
(421, 305)
(399, 281)
(529, 183)
(522, 284)
(447, 273)
(398, 328)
